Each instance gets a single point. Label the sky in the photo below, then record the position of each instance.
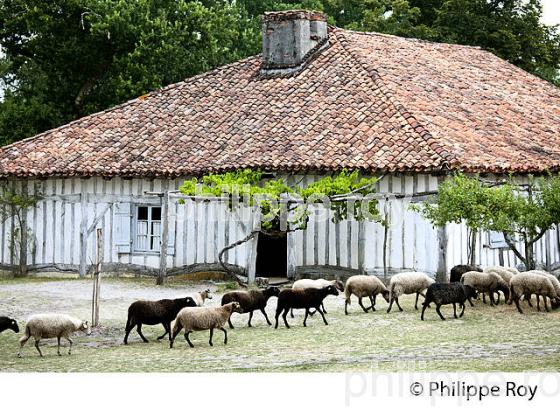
(551, 11)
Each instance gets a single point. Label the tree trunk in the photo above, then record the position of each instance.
(472, 246)
(529, 256)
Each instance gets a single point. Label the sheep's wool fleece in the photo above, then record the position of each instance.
(482, 280)
(364, 285)
(312, 283)
(50, 325)
(204, 318)
(505, 273)
(532, 282)
(553, 279)
(410, 282)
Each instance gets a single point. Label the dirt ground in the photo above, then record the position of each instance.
(485, 339)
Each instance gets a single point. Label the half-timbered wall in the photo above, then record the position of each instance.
(73, 208)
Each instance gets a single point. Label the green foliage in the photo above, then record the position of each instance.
(68, 58)
(526, 211)
(278, 201)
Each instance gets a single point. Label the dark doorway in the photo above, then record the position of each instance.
(272, 256)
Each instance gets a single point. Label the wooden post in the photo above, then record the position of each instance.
(252, 254)
(83, 233)
(387, 217)
(441, 274)
(162, 274)
(97, 279)
(361, 246)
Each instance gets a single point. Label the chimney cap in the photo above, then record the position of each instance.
(294, 15)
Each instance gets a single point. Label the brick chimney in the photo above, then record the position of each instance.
(290, 38)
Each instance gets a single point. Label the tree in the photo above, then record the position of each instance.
(523, 212)
(68, 58)
(459, 199)
(283, 208)
(22, 239)
(526, 211)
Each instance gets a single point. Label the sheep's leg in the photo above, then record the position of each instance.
(438, 307)
(491, 297)
(323, 316)
(362, 305)
(484, 297)
(166, 328)
(390, 305)
(305, 318)
(498, 299)
(229, 323)
(292, 313)
(284, 317)
(187, 338)
(211, 334)
(129, 326)
(416, 303)
(528, 299)
(424, 306)
(545, 305)
(58, 345)
(373, 300)
(266, 317)
(462, 310)
(71, 342)
(225, 335)
(37, 347)
(454, 310)
(398, 304)
(346, 307)
(139, 330)
(22, 342)
(323, 307)
(516, 300)
(172, 335)
(250, 317)
(470, 301)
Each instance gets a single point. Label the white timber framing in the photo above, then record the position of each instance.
(73, 208)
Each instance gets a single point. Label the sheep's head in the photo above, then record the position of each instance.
(272, 291)
(236, 307)
(85, 327)
(187, 302)
(471, 292)
(385, 295)
(13, 326)
(205, 294)
(331, 290)
(339, 285)
(505, 289)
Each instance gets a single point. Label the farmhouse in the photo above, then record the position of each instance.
(319, 99)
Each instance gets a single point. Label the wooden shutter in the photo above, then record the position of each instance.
(122, 223)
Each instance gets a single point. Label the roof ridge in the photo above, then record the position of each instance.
(448, 159)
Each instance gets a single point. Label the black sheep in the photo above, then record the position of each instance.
(459, 270)
(145, 312)
(302, 299)
(8, 323)
(251, 300)
(447, 293)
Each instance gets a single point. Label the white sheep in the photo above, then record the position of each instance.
(364, 286)
(51, 325)
(506, 273)
(204, 318)
(316, 284)
(407, 283)
(200, 297)
(528, 283)
(486, 282)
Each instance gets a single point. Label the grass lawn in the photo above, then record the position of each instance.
(485, 339)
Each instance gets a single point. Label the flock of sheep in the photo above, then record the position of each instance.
(190, 314)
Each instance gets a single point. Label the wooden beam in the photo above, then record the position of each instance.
(164, 235)
(83, 234)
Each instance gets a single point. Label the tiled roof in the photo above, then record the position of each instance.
(368, 101)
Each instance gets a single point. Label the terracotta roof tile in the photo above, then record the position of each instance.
(369, 101)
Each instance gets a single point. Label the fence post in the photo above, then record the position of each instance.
(97, 279)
